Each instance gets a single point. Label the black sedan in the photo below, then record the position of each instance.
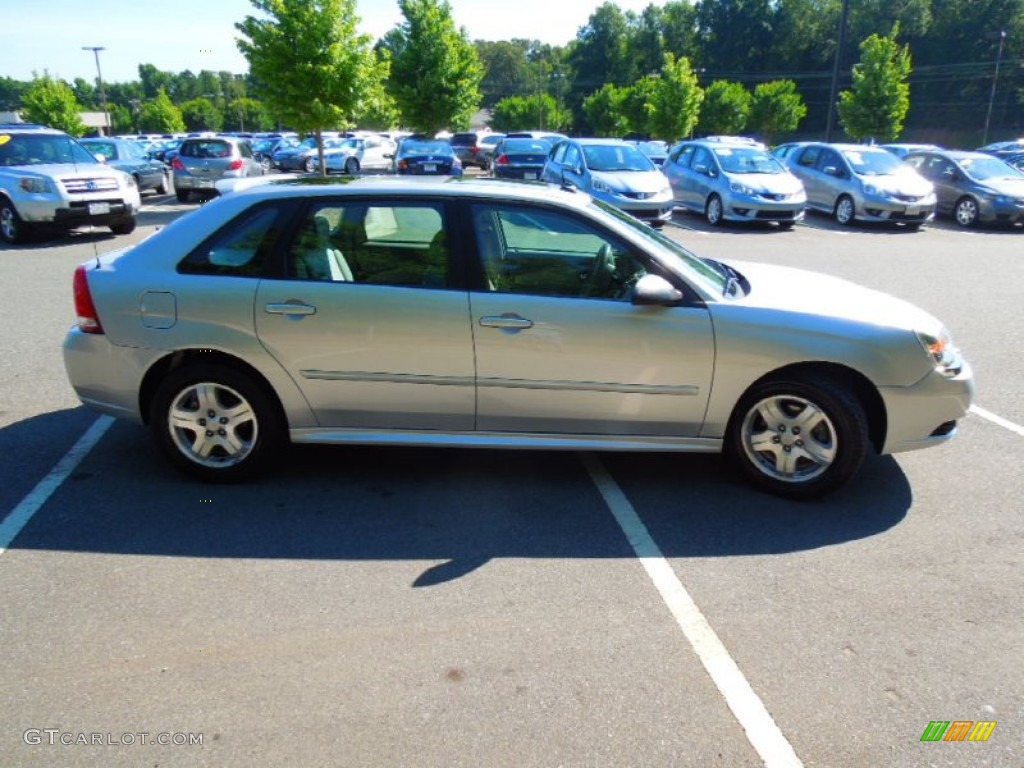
(131, 158)
(520, 158)
(432, 157)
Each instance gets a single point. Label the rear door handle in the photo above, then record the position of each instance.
(288, 308)
(508, 321)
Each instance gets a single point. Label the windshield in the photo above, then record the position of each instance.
(42, 149)
(526, 146)
(688, 265)
(747, 160)
(616, 157)
(873, 162)
(426, 148)
(653, 148)
(984, 168)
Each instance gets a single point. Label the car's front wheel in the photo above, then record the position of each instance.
(799, 437)
(845, 211)
(123, 226)
(966, 212)
(12, 228)
(713, 211)
(351, 166)
(310, 165)
(215, 422)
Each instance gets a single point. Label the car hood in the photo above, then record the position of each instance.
(59, 170)
(633, 181)
(1009, 186)
(905, 182)
(773, 183)
(810, 293)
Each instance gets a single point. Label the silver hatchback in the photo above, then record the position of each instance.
(201, 163)
(416, 312)
(858, 182)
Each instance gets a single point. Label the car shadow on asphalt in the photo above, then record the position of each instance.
(462, 508)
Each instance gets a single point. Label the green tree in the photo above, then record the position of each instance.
(379, 110)
(516, 113)
(435, 71)
(726, 108)
(507, 69)
(313, 66)
(605, 110)
(52, 102)
(776, 108)
(599, 55)
(200, 115)
(877, 103)
(640, 104)
(677, 101)
(245, 114)
(11, 91)
(153, 80)
(161, 116)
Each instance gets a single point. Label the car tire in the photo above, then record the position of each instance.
(845, 212)
(785, 226)
(713, 211)
(965, 212)
(798, 437)
(248, 426)
(351, 166)
(310, 165)
(163, 187)
(183, 195)
(12, 229)
(123, 226)
(265, 165)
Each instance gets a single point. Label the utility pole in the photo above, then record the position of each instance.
(103, 94)
(840, 44)
(995, 79)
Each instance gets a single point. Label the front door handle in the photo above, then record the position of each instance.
(507, 321)
(289, 308)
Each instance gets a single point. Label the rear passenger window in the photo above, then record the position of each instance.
(239, 249)
(401, 243)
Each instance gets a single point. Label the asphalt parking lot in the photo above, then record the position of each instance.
(407, 607)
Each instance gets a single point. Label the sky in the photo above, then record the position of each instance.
(175, 35)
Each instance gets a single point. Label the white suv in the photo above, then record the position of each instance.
(47, 179)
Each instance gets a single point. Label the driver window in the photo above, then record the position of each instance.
(548, 253)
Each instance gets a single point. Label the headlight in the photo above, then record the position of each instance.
(741, 189)
(600, 186)
(130, 182)
(35, 184)
(943, 353)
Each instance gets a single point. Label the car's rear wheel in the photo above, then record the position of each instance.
(799, 437)
(845, 211)
(351, 166)
(713, 210)
(966, 212)
(215, 423)
(123, 226)
(310, 165)
(12, 228)
(265, 164)
(163, 188)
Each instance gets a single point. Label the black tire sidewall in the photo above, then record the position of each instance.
(843, 409)
(270, 427)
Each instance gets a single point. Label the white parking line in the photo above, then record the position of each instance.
(1004, 423)
(21, 514)
(748, 709)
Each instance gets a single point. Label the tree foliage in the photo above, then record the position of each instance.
(877, 103)
(604, 110)
(775, 108)
(314, 66)
(51, 102)
(161, 116)
(200, 115)
(435, 71)
(517, 113)
(726, 108)
(678, 100)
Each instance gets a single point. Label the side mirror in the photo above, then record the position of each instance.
(831, 170)
(654, 290)
(701, 169)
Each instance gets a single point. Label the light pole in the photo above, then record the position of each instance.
(103, 94)
(995, 79)
(833, 91)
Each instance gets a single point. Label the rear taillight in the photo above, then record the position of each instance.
(235, 165)
(503, 160)
(88, 318)
(402, 165)
(177, 165)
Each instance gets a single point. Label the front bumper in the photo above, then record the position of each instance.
(896, 211)
(99, 209)
(924, 414)
(655, 208)
(737, 207)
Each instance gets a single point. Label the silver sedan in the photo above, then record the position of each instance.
(501, 315)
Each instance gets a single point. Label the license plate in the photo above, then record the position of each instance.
(99, 209)
(913, 210)
(429, 168)
(529, 175)
(205, 184)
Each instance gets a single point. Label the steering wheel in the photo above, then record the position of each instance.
(602, 275)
